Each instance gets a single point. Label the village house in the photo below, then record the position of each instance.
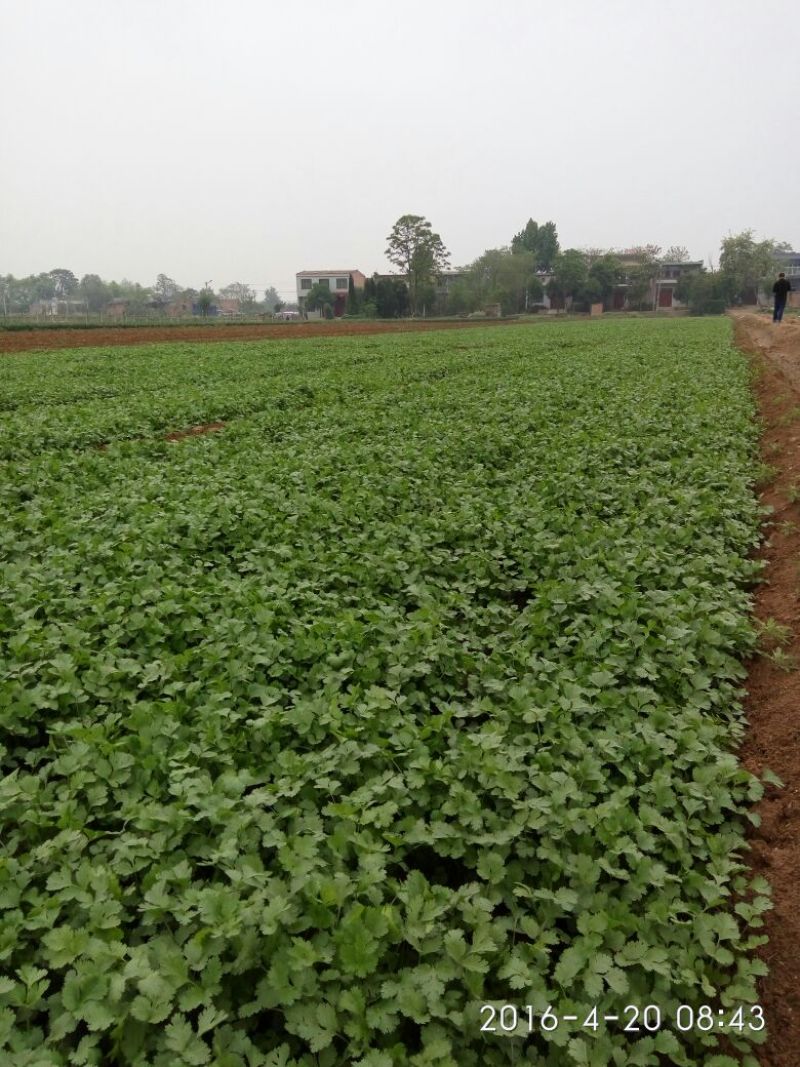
(338, 281)
(660, 293)
(116, 309)
(179, 308)
(228, 307)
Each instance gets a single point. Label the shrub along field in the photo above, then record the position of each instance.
(412, 690)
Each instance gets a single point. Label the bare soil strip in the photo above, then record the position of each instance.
(773, 692)
(46, 340)
(194, 431)
(175, 435)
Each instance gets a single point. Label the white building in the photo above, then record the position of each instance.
(338, 281)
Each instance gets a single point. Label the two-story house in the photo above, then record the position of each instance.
(338, 281)
(660, 292)
(664, 283)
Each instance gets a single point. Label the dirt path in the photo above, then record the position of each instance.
(38, 340)
(773, 691)
(781, 342)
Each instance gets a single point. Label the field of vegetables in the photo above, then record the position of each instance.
(412, 690)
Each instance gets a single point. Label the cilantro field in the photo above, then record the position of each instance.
(414, 688)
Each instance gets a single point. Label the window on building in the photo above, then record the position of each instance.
(325, 282)
(341, 283)
(305, 283)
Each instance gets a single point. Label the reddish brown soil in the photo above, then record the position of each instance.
(773, 693)
(175, 435)
(38, 340)
(193, 431)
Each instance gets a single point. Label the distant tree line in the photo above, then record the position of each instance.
(514, 277)
(94, 295)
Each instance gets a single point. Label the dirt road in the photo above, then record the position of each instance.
(773, 690)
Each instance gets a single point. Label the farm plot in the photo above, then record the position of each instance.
(412, 690)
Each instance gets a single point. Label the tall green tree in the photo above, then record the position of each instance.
(392, 298)
(705, 292)
(503, 277)
(640, 274)
(44, 286)
(603, 275)
(418, 252)
(242, 293)
(540, 241)
(526, 239)
(94, 291)
(676, 254)
(138, 297)
(462, 297)
(165, 289)
(317, 297)
(570, 274)
(64, 281)
(353, 297)
(745, 264)
(271, 298)
(20, 293)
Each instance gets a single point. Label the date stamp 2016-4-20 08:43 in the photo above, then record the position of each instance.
(522, 1019)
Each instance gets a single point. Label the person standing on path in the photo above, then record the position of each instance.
(781, 289)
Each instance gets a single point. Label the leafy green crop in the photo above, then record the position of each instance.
(414, 689)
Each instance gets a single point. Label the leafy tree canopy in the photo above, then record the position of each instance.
(271, 298)
(355, 297)
(417, 252)
(501, 276)
(603, 275)
(317, 297)
(569, 273)
(462, 298)
(165, 288)
(676, 254)
(240, 291)
(64, 281)
(705, 292)
(745, 264)
(540, 241)
(94, 291)
(388, 297)
(641, 271)
(647, 255)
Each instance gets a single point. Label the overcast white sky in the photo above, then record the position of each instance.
(248, 140)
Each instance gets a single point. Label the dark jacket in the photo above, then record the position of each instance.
(781, 287)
